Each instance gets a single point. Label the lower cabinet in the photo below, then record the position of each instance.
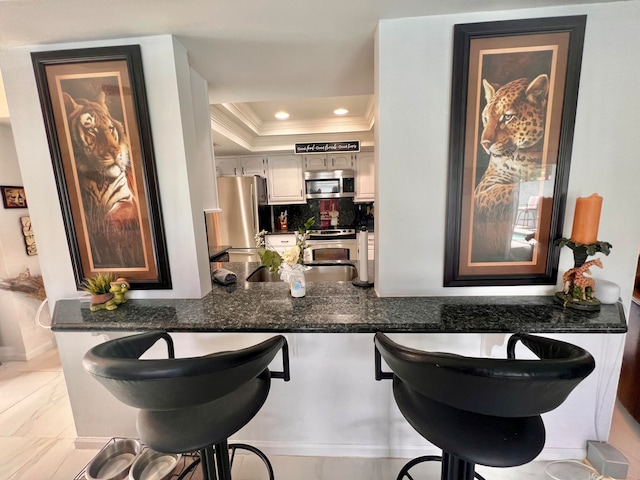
(629, 383)
(280, 242)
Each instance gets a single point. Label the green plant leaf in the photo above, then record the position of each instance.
(100, 283)
(270, 259)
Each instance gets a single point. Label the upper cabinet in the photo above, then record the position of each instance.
(286, 179)
(285, 173)
(242, 166)
(341, 161)
(253, 166)
(365, 177)
(314, 162)
(226, 166)
(338, 161)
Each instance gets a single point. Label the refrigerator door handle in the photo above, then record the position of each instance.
(254, 207)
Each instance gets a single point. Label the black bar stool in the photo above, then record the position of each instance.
(483, 411)
(190, 404)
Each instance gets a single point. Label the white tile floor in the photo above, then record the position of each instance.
(37, 439)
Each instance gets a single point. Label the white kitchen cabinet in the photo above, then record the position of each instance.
(315, 162)
(227, 166)
(341, 161)
(338, 161)
(286, 180)
(243, 166)
(280, 242)
(250, 166)
(365, 177)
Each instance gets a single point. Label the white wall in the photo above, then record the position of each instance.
(413, 87)
(4, 108)
(20, 338)
(12, 249)
(164, 64)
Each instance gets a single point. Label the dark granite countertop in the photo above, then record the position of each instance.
(215, 250)
(338, 307)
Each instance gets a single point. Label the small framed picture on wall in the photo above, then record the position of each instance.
(13, 197)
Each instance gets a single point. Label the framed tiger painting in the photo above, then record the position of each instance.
(514, 96)
(95, 112)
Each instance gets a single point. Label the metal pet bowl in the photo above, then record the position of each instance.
(114, 461)
(152, 465)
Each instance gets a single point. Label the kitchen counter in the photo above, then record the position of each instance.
(321, 412)
(217, 250)
(335, 308)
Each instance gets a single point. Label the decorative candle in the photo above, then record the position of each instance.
(586, 220)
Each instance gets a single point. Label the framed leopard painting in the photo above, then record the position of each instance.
(514, 95)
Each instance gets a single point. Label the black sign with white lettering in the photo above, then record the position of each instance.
(327, 147)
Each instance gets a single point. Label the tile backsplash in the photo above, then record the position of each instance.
(352, 215)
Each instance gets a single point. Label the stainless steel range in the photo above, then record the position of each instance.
(332, 244)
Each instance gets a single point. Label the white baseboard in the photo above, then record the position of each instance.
(41, 349)
(384, 451)
(90, 443)
(346, 450)
(12, 354)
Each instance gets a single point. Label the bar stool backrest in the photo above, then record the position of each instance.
(491, 386)
(174, 383)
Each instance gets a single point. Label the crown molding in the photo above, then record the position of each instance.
(370, 112)
(243, 113)
(226, 126)
(241, 125)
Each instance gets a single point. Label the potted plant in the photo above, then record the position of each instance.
(290, 264)
(98, 287)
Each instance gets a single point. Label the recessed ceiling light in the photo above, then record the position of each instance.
(341, 111)
(282, 115)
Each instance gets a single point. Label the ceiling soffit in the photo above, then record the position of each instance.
(239, 123)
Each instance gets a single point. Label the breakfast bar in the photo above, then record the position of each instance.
(335, 307)
(333, 406)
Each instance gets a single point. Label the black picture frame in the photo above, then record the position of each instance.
(486, 245)
(97, 122)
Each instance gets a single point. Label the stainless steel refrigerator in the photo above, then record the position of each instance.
(243, 203)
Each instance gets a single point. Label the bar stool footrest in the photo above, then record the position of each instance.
(404, 472)
(250, 448)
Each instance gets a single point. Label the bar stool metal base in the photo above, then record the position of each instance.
(219, 467)
(453, 468)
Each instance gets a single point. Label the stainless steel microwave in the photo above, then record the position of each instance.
(330, 184)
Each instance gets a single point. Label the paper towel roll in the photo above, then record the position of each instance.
(363, 256)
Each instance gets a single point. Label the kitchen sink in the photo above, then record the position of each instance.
(317, 273)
